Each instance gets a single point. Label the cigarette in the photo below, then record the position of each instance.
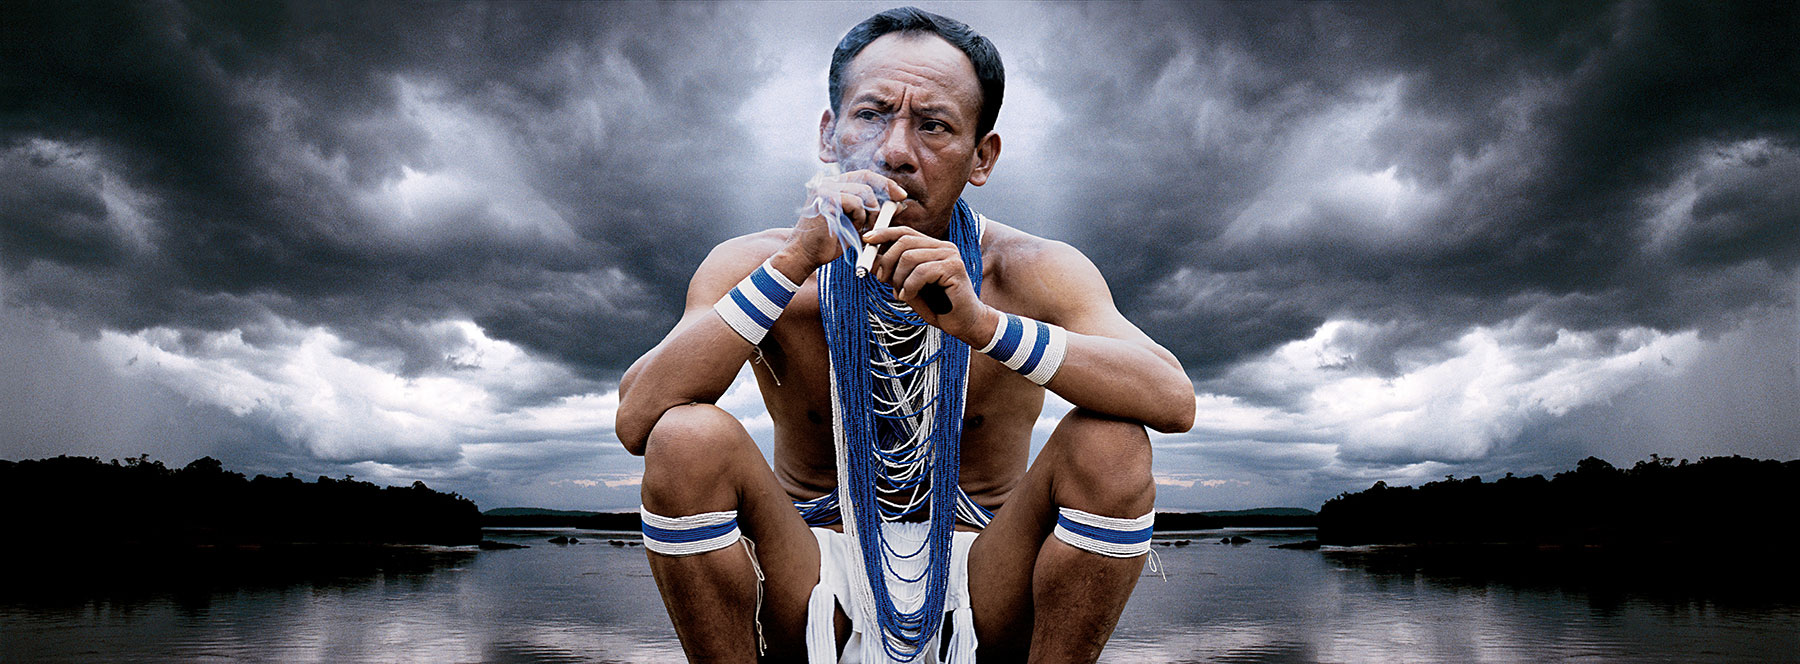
(866, 258)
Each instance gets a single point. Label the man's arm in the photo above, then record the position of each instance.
(698, 359)
(1109, 366)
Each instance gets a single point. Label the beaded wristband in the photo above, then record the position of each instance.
(1031, 347)
(752, 307)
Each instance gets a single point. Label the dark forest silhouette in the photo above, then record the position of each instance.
(141, 504)
(1655, 502)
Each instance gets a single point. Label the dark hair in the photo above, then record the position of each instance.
(988, 71)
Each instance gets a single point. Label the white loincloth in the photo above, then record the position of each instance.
(864, 646)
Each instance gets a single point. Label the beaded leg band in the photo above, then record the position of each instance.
(689, 535)
(1107, 536)
(703, 533)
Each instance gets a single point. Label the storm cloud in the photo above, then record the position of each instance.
(1388, 241)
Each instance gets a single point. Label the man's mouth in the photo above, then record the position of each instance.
(914, 194)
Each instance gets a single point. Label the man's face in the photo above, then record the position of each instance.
(909, 109)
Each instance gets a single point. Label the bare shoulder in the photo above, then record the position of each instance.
(730, 261)
(1018, 251)
(745, 251)
(1035, 270)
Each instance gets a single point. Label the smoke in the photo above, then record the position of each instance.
(848, 237)
(857, 154)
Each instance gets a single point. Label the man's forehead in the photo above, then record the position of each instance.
(921, 60)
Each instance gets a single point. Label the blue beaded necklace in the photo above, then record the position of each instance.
(897, 401)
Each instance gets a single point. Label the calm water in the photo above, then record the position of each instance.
(596, 603)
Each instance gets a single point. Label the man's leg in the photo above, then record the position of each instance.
(1027, 585)
(699, 459)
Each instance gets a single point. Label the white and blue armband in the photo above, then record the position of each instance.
(752, 307)
(1031, 347)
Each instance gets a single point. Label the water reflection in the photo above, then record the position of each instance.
(1254, 604)
(595, 602)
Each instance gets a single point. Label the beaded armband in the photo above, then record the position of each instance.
(1031, 347)
(752, 307)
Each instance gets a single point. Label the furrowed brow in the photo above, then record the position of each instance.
(935, 110)
(871, 99)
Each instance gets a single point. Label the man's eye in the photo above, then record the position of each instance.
(934, 126)
(868, 115)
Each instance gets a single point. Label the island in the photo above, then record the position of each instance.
(1657, 502)
(139, 504)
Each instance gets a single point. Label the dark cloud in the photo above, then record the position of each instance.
(1386, 192)
(1543, 131)
(251, 134)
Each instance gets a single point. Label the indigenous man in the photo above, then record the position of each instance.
(1044, 557)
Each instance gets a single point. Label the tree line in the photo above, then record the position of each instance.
(82, 501)
(1656, 502)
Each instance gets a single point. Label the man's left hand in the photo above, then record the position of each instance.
(910, 260)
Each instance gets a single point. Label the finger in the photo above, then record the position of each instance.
(935, 272)
(876, 180)
(932, 259)
(893, 233)
(914, 249)
(891, 253)
(864, 193)
(852, 205)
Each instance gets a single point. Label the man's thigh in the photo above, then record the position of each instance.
(1003, 555)
(1091, 462)
(700, 459)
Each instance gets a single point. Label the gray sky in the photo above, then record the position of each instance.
(1389, 242)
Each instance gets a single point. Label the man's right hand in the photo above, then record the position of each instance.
(816, 237)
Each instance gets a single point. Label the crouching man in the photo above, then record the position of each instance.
(900, 521)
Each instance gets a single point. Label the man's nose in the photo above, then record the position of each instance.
(895, 152)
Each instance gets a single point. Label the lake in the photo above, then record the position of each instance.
(594, 602)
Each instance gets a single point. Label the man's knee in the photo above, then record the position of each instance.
(691, 458)
(1103, 465)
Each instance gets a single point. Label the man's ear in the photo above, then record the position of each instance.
(987, 151)
(827, 137)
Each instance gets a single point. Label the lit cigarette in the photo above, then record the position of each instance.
(866, 259)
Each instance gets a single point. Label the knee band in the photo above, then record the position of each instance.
(758, 300)
(1107, 536)
(1031, 347)
(689, 535)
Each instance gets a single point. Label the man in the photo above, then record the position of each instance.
(913, 99)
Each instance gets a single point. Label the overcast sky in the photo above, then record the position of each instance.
(1388, 242)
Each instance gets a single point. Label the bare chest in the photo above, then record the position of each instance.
(794, 377)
